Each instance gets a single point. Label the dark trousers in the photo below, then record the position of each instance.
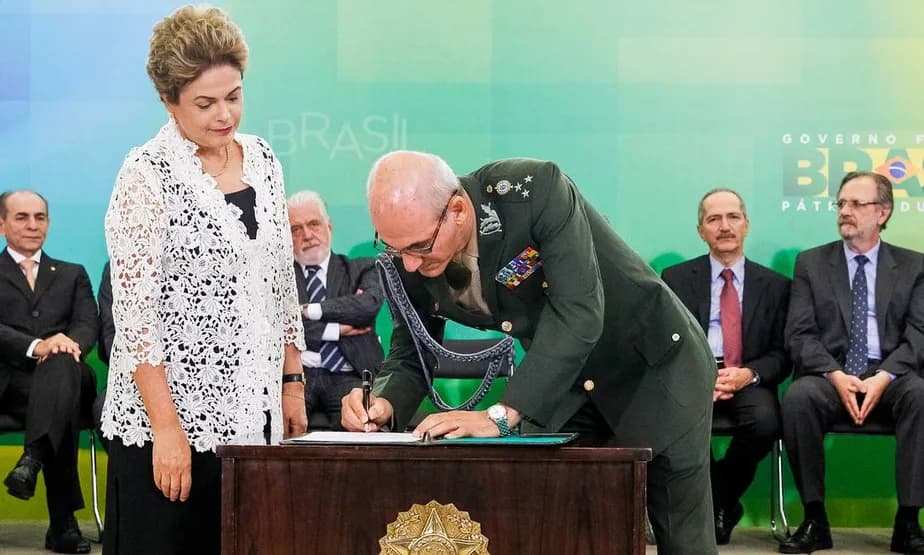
(51, 400)
(97, 411)
(811, 407)
(325, 389)
(141, 521)
(679, 500)
(756, 414)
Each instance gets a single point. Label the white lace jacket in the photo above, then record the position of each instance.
(191, 290)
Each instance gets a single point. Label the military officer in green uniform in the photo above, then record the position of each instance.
(610, 351)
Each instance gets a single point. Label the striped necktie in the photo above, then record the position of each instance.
(331, 356)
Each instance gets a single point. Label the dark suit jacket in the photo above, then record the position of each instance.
(106, 322)
(818, 324)
(593, 317)
(61, 303)
(343, 306)
(763, 317)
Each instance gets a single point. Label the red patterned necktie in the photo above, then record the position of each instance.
(730, 317)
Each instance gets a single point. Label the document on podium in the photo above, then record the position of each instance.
(354, 438)
(391, 438)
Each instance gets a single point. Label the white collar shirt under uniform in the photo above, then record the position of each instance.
(192, 291)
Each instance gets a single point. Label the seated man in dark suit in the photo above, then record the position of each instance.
(103, 346)
(340, 298)
(106, 323)
(741, 306)
(855, 331)
(47, 325)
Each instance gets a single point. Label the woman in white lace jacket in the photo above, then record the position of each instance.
(204, 300)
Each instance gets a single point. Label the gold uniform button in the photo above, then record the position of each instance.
(675, 338)
(545, 285)
(589, 385)
(506, 326)
(489, 189)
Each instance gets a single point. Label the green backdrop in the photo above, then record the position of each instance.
(645, 104)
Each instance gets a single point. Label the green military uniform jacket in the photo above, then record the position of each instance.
(595, 320)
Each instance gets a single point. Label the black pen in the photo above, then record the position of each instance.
(367, 389)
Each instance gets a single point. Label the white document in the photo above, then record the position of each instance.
(350, 438)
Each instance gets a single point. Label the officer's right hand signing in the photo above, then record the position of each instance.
(353, 416)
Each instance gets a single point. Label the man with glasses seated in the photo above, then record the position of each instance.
(340, 299)
(610, 351)
(855, 332)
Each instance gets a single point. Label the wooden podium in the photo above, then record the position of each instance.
(339, 500)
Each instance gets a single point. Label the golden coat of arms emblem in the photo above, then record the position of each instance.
(434, 529)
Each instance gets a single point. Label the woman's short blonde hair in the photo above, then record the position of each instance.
(189, 41)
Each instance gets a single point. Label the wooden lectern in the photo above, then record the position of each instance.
(340, 500)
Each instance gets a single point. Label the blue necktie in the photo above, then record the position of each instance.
(331, 356)
(857, 347)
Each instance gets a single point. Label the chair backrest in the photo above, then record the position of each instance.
(461, 370)
(472, 370)
(447, 368)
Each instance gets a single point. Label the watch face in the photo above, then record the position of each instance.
(496, 412)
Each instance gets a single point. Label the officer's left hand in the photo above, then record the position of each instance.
(457, 423)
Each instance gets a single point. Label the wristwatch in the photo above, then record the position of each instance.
(498, 414)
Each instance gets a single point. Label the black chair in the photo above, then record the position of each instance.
(9, 424)
(724, 426)
(461, 370)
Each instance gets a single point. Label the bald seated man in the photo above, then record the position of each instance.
(610, 351)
